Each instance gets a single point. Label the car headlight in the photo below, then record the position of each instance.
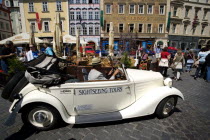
(168, 82)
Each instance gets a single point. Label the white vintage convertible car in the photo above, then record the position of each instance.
(139, 93)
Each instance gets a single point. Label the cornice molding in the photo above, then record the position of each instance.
(177, 3)
(187, 21)
(197, 3)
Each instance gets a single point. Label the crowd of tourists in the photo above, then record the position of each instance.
(155, 59)
(29, 53)
(161, 59)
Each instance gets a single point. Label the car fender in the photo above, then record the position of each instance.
(37, 96)
(147, 104)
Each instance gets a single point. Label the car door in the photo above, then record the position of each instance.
(103, 96)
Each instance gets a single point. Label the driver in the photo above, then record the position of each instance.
(95, 74)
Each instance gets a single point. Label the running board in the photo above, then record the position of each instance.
(113, 116)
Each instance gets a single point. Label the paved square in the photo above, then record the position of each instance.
(190, 121)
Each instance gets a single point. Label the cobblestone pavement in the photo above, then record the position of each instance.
(191, 120)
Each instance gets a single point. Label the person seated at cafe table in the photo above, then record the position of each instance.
(95, 73)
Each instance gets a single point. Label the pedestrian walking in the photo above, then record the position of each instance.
(144, 60)
(144, 56)
(190, 61)
(186, 54)
(201, 66)
(153, 64)
(7, 52)
(178, 63)
(164, 62)
(158, 52)
(29, 54)
(208, 67)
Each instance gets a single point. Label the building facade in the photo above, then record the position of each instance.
(40, 14)
(136, 23)
(189, 23)
(5, 23)
(84, 15)
(15, 15)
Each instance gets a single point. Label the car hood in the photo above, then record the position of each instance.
(144, 76)
(144, 81)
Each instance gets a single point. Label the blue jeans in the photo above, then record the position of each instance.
(4, 66)
(199, 68)
(208, 74)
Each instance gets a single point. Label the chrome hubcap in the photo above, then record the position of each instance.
(169, 106)
(40, 118)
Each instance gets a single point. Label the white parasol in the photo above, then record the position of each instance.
(78, 43)
(111, 40)
(32, 38)
(58, 39)
(23, 38)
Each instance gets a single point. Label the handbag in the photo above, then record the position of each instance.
(177, 65)
(190, 61)
(172, 66)
(196, 63)
(163, 62)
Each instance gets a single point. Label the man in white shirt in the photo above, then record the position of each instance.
(29, 54)
(95, 74)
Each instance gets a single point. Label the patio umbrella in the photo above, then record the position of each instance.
(111, 40)
(32, 38)
(78, 43)
(172, 48)
(57, 39)
(23, 38)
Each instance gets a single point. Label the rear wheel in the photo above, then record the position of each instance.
(43, 117)
(166, 107)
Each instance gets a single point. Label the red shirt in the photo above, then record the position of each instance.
(165, 54)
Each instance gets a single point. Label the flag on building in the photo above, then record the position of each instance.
(38, 21)
(102, 19)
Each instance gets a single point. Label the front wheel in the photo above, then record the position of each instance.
(166, 107)
(43, 117)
